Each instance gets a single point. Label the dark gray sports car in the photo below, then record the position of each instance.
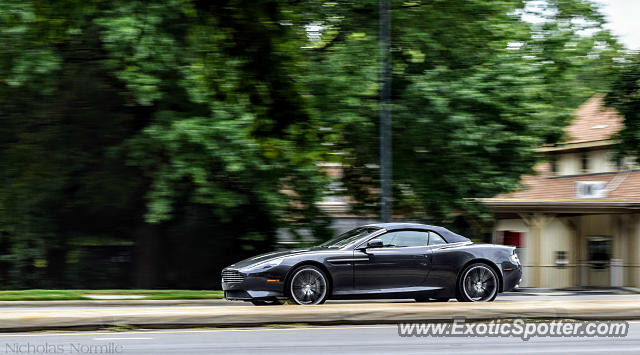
(388, 260)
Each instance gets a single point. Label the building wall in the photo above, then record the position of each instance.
(608, 226)
(600, 161)
(571, 234)
(569, 164)
(557, 236)
(518, 225)
(633, 252)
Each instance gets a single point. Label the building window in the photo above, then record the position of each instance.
(584, 160)
(599, 251)
(513, 239)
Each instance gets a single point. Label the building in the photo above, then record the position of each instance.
(577, 221)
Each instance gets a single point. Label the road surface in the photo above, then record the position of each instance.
(372, 339)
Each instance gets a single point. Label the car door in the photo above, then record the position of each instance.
(443, 262)
(403, 261)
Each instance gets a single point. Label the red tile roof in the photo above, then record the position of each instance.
(593, 122)
(563, 188)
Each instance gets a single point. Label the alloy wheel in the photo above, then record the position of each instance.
(308, 286)
(479, 284)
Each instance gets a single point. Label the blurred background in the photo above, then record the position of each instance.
(150, 143)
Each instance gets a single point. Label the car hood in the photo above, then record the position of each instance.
(267, 256)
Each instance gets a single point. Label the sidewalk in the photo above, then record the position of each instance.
(370, 313)
(529, 294)
(578, 290)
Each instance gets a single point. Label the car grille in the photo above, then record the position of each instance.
(232, 276)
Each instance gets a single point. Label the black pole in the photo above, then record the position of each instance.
(385, 111)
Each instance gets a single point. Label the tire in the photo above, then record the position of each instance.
(308, 285)
(478, 283)
(266, 302)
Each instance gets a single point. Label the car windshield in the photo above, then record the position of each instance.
(348, 237)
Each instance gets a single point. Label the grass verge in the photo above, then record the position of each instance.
(59, 295)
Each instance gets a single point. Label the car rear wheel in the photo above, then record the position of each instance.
(308, 285)
(478, 283)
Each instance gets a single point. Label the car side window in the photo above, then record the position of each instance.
(435, 239)
(404, 239)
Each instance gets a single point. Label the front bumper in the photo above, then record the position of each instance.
(247, 286)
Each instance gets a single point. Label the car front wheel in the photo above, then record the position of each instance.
(308, 285)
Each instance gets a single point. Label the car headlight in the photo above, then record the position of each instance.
(514, 258)
(266, 264)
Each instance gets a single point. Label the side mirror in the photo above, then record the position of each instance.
(375, 243)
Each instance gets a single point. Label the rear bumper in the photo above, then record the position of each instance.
(511, 277)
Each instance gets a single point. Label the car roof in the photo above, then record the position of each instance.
(448, 235)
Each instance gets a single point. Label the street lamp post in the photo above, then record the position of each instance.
(385, 111)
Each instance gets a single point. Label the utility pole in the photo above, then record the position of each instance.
(385, 110)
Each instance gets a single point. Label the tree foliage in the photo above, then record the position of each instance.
(624, 95)
(178, 121)
(193, 130)
(475, 90)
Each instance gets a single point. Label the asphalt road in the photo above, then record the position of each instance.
(374, 339)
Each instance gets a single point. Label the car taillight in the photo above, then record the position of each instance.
(514, 258)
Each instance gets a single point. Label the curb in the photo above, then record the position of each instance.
(631, 289)
(379, 313)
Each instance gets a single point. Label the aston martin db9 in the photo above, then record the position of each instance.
(387, 260)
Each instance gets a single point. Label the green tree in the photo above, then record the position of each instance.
(624, 95)
(177, 125)
(192, 129)
(475, 90)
